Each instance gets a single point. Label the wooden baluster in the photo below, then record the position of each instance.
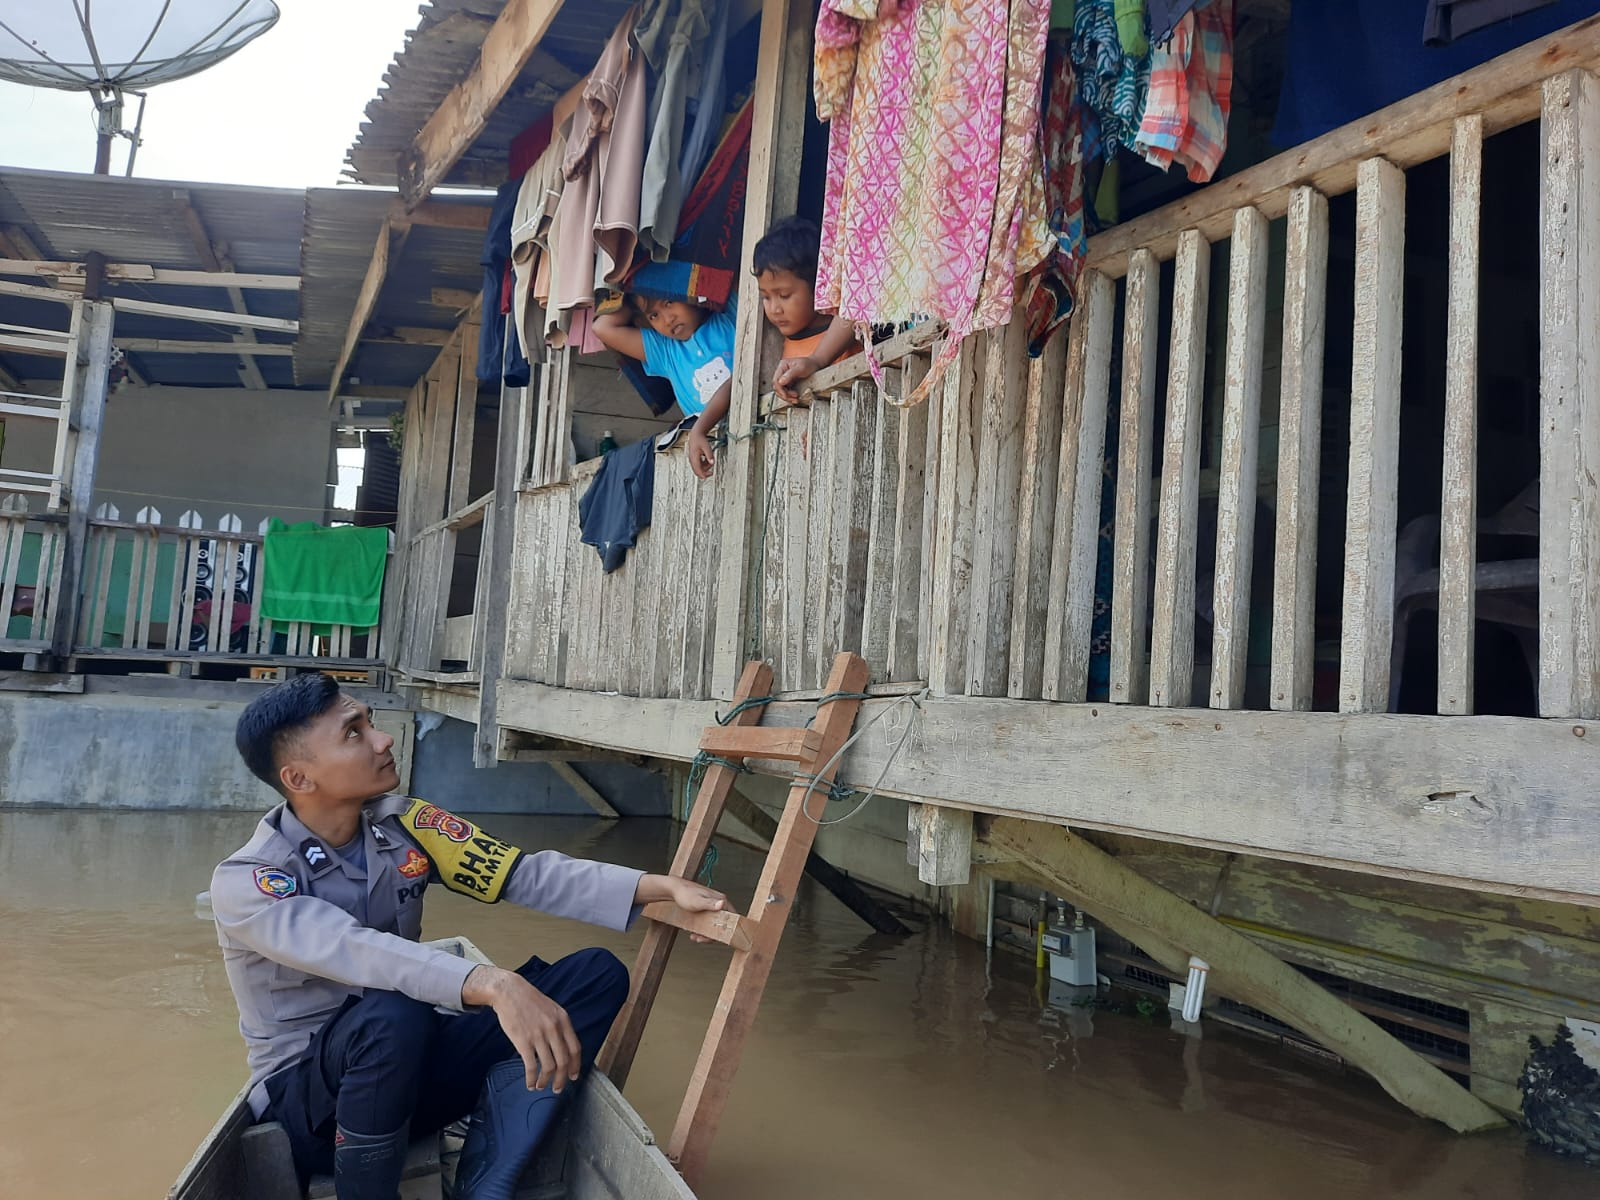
(1368, 620)
(821, 525)
(1294, 579)
(1130, 563)
(888, 472)
(1172, 639)
(960, 429)
(796, 486)
(1458, 506)
(1081, 472)
(854, 414)
(917, 426)
(1241, 436)
(1041, 467)
(1002, 403)
(1569, 402)
(13, 524)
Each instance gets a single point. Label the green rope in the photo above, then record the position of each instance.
(742, 706)
(691, 785)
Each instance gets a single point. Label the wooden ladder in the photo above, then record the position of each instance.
(753, 939)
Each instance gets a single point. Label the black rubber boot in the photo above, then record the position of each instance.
(367, 1166)
(509, 1124)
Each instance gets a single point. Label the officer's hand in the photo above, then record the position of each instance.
(685, 893)
(536, 1025)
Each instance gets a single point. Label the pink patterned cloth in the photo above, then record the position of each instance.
(935, 198)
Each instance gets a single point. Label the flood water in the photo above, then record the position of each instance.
(879, 1067)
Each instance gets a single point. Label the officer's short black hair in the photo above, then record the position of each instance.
(276, 715)
(790, 245)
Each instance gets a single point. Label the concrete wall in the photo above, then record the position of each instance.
(213, 450)
(174, 751)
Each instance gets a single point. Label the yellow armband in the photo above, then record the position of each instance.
(467, 860)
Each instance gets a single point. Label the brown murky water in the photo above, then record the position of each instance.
(879, 1067)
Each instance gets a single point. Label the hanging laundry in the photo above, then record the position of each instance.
(708, 101)
(1163, 17)
(1448, 20)
(1051, 290)
(684, 62)
(1111, 79)
(704, 267)
(619, 503)
(499, 357)
(537, 200)
(1191, 91)
(599, 208)
(935, 195)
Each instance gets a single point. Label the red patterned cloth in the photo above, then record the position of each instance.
(1191, 93)
(1052, 288)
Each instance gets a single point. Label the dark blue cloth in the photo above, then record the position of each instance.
(498, 355)
(1349, 58)
(656, 392)
(385, 1059)
(619, 501)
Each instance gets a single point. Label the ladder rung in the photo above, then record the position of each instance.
(727, 927)
(758, 741)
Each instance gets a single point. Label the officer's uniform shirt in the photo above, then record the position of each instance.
(303, 928)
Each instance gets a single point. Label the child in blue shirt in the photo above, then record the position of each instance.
(690, 346)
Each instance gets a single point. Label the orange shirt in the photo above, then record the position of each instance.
(802, 347)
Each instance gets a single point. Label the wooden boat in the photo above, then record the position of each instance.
(602, 1150)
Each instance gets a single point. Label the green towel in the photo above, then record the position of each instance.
(1130, 28)
(323, 576)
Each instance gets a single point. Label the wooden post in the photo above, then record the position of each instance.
(1080, 474)
(1138, 908)
(93, 354)
(501, 542)
(960, 428)
(1369, 541)
(1294, 579)
(777, 132)
(1172, 639)
(1569, 402)
(1041, 464)
(1241, 436)
(994, 537)
(1130, 569)
(1458, 507)
(939, 844)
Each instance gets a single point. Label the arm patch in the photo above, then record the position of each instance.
(466, 859)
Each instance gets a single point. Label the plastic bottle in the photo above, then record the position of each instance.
(607, 443)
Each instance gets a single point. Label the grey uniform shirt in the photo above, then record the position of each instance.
(301, 929)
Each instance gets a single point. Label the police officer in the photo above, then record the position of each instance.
(319, 916)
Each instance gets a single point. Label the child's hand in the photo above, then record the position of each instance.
(701, 459)
(790, 373)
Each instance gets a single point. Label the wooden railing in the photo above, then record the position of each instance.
(847, 495)
(31, 549)
(645, 629)
(182, 591)
(417, 613)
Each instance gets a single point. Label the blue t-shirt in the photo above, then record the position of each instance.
(698, 367)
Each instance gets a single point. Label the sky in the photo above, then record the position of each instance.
(279, 113)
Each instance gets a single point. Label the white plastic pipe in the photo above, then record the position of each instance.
(1195, 992)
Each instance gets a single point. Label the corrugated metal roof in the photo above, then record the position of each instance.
(341, 229)
(66, 216)
(439, 54)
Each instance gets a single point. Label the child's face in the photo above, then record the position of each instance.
(788, 301)
(675, 319)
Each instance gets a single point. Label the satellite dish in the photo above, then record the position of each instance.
(123, 46)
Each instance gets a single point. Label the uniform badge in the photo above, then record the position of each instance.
(311, 850)
(379, 836)
(271, 881)
(415, 864)
(453, 827)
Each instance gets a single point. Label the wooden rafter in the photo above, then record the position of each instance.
(215, 258)
(175, 346)
(473, 218)
(69, 274)
(462, 115)
(391, 240)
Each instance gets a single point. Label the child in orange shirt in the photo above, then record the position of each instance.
(785, 267)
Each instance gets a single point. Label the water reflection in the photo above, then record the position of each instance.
(879, 1067)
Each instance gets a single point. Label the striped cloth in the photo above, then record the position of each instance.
(1191, 91)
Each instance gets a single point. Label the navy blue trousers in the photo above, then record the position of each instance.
(385, 1059)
